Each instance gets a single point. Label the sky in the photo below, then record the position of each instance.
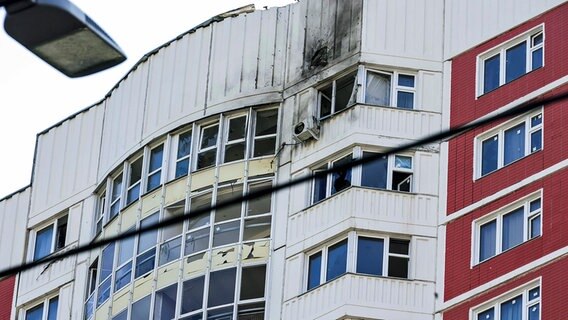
(34, 96)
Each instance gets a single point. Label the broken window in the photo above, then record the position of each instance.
(393, 172)
(226, 193)
(235, 140)
(265, 132)
(165, 303)
(198, 224)
(253, 282)
(226, 233)
(134, 178)
(337, 95)
(330, 184)
(155, 168)
(262, 204)
(257, 228)
(207, 146)
(183, 154)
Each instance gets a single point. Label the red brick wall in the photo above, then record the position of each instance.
(6, 295)
(553, 287)
(459, 277)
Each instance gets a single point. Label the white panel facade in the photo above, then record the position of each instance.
(13, 221)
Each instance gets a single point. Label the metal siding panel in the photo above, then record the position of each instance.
(219, 58)
(13, 232)
(280, 47)
(238, 38)
(250, 53)
(296, 35)
(266, 50)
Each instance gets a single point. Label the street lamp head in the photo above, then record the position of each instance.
(62, 35)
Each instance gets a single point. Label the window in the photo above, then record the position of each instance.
(521, 304)
(183, 154)
(171, 238)
(378, 256)
(105, 273)
(508, 227)
(155, 168)
(46, 310)
(390, 89)
(50, 238)
(134, 181)
(235, 138)
(100, 213)
(146, 247)
(392, 173)
(511, 61)
(207, 154)
(337, 95)
(265, 132)
(165, 303)
(91, 287)
(509, 143)
(116, 193)
(141, 309)
(123, 274)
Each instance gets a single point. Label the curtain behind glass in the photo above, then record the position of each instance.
(378, 89)
(512, 309)
(513, 228)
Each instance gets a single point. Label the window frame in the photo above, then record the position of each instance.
(45, 306)
(245, 139)
(174, 160)
(395, 87)
(497, 216)
(501, 51)
(202, 127)
(54, 225)
(333, 83)
(118, 201)
(138, 183)
(523, 291)
(251, 143)
(146, 167)
(499, 132)
(324, 251)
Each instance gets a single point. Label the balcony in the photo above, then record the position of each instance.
(364, 296)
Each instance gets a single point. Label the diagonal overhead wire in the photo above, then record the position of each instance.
(436, 137)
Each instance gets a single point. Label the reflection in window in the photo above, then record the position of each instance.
(336, 260)
(155, 168)
(141, 309)
(183, 154)
(370, 256)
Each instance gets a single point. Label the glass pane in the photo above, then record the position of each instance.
(165, 303)
(486, 315)
(537, 39)
(135, 172)
(235, 151)
(121, 316)
(401, 181)
(145, 263)
(514, 143)
(534, 312)
(52, 312)
(262, 204)
(344, 92)
(192, 295)
(325, 102)
(198, 203)
(132, 194)
(491, 73)
(225, 194)
(535, 227)
(341, 180)
(398, 267)
(116, 187)
(237, 128)
(184, 145)
(534, 293)
(403, 162)
(320, 186)
(123, 276)
(104, 292)
(336, 260)
(266, 122)
(314, 270)
(154, 180)
(264, 146)
(197, 241)
(253, 282)
(141, 309)
(226, 233)
(370, 256)
(170, 251)
(182, 168)
(206, 159)
(489, 150)
(406, 80)
(106, 262)
(536, 141)
(375, 172)
(114, 209)
(90, 307)
(399, 246)
(405, 100)
(487, 240)
(513, 228)
(536, 59)
(512, 309)
(209, 136)
(35, 313)
(516, 63)
(253, 311)
(378, 88)
(535, 205)
(148, 239)
(258, 228)
(43, 242)
(125, 250)
(221, 287)
(536, 120)
(225, 313)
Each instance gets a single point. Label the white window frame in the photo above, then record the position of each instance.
(252, 142)
(54, 225)
(120, 196)
(497, 215)
(135, 184)
(395, 87)
(521, 290)
(174, 147)
(101, 209)
(500, 133)
(501, 49)
(217, 122)
(245, 139)
(329, 176)
(333, 83)
(324, 257)
(45, 307)
(146, 173)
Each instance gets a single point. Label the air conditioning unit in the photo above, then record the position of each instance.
(307, 129)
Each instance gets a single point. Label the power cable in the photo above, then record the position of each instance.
(442, 135)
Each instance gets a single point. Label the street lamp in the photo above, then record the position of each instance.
(62, 35)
